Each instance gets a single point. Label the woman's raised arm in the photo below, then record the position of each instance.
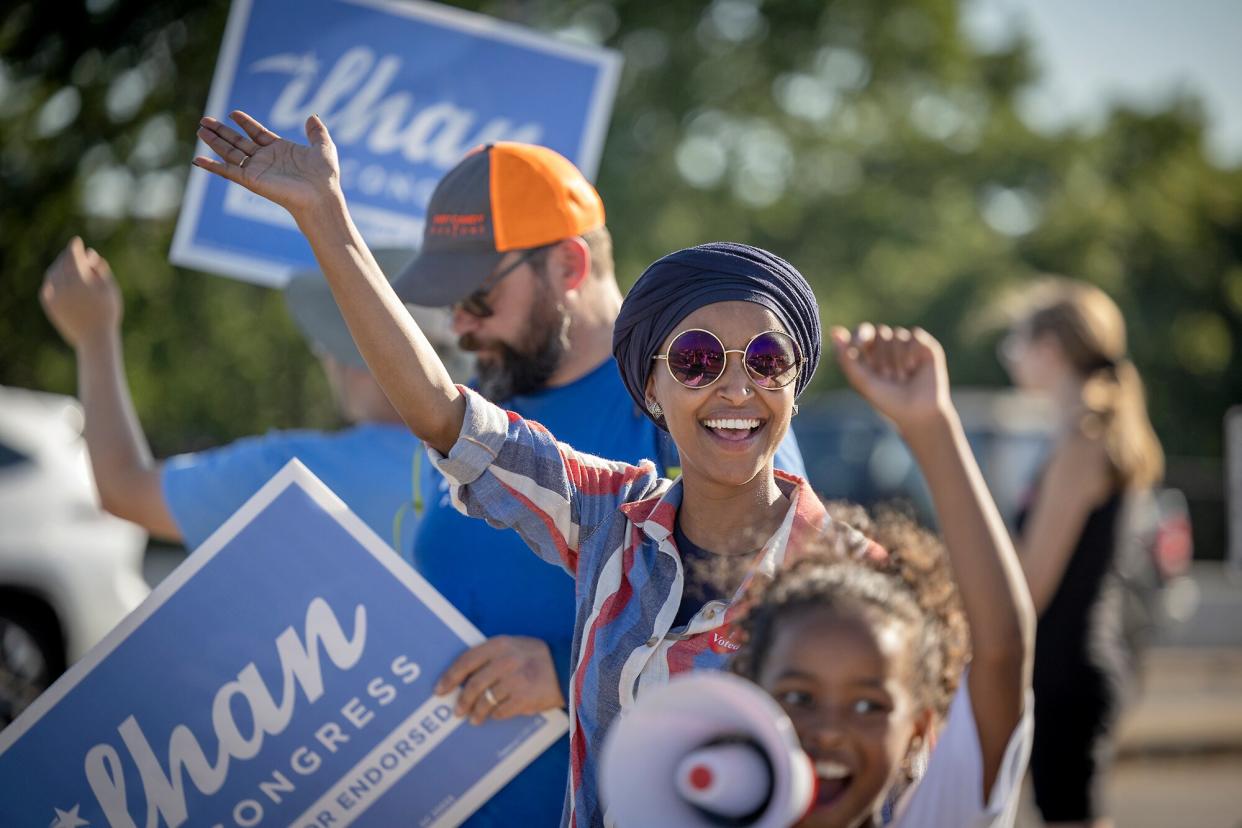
(305, 180)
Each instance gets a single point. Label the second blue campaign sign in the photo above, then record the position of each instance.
(406, 89)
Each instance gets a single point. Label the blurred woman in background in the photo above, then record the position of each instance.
(1074, 536)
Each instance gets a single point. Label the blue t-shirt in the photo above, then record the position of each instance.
(494, 579)
(369, 466)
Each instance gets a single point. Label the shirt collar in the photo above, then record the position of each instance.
(656, 515)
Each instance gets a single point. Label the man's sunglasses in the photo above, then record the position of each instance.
(476, 304)
(697, 358)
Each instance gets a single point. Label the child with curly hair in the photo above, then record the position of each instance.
(865, 654)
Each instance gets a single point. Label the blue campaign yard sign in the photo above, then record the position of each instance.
(282, 676)
(406, 89)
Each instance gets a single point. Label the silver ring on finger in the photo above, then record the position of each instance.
(242, 165)
(491, 697)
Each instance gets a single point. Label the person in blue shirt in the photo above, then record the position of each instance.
(369, 464)
(516, 244)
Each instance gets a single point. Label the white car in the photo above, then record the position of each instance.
(68, 571)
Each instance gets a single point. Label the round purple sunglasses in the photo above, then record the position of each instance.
(696, 358)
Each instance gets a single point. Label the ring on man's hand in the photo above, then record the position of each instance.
(242, 165)
(491, 697)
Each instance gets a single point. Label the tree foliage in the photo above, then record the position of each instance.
(871, 142)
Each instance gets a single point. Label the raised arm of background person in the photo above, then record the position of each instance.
(903, 375)
(305, 180)
(1076, 480)
(82, 300)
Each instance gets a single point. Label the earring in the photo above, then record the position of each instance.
(916, 760)
(795, 410)
(655, 409)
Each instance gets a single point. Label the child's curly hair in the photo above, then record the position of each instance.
(912, 585)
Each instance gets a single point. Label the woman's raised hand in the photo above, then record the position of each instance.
(900, 371)
(295, 176)
(305, 180)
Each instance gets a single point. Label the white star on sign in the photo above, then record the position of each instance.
(68, 819)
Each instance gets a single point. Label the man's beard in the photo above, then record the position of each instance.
(509, 371)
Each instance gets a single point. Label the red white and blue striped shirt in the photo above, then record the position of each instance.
(610, 525)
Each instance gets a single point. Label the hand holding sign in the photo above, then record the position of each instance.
(505, 676)
(294, 176)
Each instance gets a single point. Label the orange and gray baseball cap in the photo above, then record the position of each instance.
(501, 197)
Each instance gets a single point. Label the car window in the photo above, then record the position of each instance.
(10, 456)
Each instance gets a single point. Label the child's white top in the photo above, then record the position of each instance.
(951, 791)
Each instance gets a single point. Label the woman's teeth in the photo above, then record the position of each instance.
(732, 424)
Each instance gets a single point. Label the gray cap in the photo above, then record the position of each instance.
(314, 310)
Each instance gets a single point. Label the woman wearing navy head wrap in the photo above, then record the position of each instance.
(714, 343)
(728, 414)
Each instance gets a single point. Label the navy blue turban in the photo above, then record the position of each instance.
(677, 285)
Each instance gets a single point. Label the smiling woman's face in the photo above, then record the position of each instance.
(728, 431)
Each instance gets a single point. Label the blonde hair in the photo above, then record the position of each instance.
(1089, 328)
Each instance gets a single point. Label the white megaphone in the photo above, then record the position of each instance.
(707, 749)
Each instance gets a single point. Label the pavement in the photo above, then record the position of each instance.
(1180, 745)
(1191, 699)
(1191, 703)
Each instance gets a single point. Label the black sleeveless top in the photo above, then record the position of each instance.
(1087, 638)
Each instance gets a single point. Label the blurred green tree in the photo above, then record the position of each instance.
(872, 142)
(98, 106)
